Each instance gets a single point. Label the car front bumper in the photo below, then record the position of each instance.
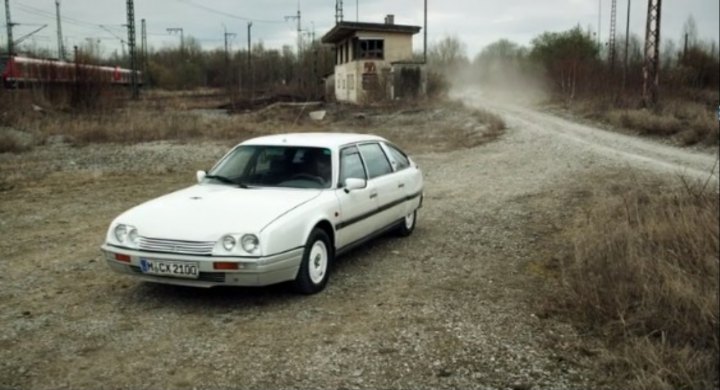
(261, 271)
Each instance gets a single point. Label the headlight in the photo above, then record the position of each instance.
(121, 233)
(250, 243)
(126, 234)
(228, 243)
(133, 236)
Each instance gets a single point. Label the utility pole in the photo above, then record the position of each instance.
(9, 24)
(61, 47)
(131, 47)
(599, 40)
(227, 44)
(338, 11)
(249, 56)
(298, 18)
(611, 39)
(143, 45)
(227, 56)
(627, 45)
(652, 54)
(299, 30)
(173, 30)
(425, 35)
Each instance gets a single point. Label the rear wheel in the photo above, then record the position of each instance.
(408, 225)
(313, 273)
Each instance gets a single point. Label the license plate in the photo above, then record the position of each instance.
(178, 269)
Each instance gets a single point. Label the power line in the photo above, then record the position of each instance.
(229, 15)
(48, 14)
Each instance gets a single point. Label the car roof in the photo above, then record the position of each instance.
(323, 140)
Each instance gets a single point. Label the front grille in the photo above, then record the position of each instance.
(176, 246)
(217, 277)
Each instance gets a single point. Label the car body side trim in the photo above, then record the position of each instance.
(369, 237)
(380, 209)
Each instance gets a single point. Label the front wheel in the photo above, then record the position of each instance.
(313, 273)
(408, 224)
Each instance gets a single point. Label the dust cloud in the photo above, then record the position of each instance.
(501, 81)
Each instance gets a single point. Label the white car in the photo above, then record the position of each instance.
(273, 209)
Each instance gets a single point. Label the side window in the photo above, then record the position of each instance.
(351, 165)
(399, 159)
(375, 159)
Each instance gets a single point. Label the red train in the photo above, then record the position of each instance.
(19, 72)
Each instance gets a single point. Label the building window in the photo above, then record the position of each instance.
(371, 49)
(351, 81)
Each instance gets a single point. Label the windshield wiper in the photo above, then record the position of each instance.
(226, 180)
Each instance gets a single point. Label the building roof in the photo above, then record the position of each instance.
(343, 30)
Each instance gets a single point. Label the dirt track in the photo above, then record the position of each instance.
(452, 306)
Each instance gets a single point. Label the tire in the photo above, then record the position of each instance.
(314, 269)
(408, 225)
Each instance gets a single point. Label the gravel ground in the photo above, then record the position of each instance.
(455, 305)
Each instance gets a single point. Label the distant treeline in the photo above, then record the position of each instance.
(573, 65)
(569, 63)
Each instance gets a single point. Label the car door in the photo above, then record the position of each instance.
(358, 206)
(389, 190)
(408, 177)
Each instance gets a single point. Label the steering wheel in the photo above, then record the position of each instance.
(307, 176)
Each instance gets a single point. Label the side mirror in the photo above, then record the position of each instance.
(354, 184)
(200, 175)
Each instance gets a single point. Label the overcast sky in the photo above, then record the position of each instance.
(476, 22)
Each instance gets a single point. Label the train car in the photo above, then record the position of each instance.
(20, 72)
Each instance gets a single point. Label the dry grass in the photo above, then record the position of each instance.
(10, 144)
(418, 125)
(133, 126)
(685, 120)
(494, 122)
(643, 273)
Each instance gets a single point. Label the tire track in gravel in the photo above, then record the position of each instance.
(633, 151)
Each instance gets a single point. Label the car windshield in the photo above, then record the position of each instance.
(275, 166)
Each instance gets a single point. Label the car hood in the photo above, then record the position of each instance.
(206, 212)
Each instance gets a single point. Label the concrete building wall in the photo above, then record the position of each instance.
(355, 78)
(346, 83)
(398, 47)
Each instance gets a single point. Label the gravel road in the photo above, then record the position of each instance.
(452, 306)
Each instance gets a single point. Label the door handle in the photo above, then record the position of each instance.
(373, 195)
(401, 185)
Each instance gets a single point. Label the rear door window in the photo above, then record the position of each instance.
(375, 159)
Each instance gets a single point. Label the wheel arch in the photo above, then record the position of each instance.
(325, 225)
